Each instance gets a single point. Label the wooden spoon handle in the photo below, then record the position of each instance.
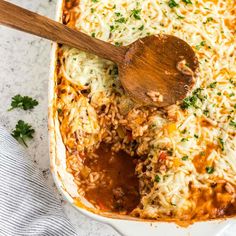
(30, 22)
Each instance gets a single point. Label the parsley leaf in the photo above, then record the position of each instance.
(198, 92)
(188, 102)
(117, 44)
(117, 13)
(232, 123)
(25, 103)
(121, 20)
(112, 27)
(184, 131)
(202, 43)
(184, 140)
(135, 13)
(157, 178)
(172, 4)
(187, 1)
(59, 110)
(206, 112)
(213, 85)
(208, 20)
(192, 100)
(222, 144)
(141, 27)
(232, 81)
(184, 158)
(179, 17)
(209, 169)
(22, 132)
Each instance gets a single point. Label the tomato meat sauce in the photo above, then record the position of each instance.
(118, 191)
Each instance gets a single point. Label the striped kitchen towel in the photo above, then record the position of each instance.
(27, 205)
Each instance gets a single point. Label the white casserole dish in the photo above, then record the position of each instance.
(124, 225)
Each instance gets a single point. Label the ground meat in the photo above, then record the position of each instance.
(118, 193)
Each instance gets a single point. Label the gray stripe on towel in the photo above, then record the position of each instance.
(27, 205)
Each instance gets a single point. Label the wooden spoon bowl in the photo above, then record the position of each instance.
(152, 66)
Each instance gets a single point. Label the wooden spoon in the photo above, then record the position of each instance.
(155, 70)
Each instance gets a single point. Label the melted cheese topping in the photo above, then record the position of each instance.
(194, 147)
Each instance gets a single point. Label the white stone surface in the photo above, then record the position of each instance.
(24, 69)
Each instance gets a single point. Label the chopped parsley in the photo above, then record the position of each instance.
(232, 82)
(121, 20)
(179, 17)
(59, 110)
(170, 152)
(157, 178)
(184, 131)
(206, 112)
(196, 136)
(136, 14)
(213, 85)
(94, 1)
(184, 140)
(198, 92)
(192, 100)
(222, 144)
(22, 132)
(112, 27)
(187, 1)
(202, 43)
(118, 44)
(141, 27)
(208, 20)
(184, 158)
(93, 35)
(92, 10)
(202, 153)
(23, 102)
(232, 123)
(117, 13)
(188, 102)
(210, 169)
(172, 4)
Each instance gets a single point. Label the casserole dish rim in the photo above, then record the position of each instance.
(122, 224)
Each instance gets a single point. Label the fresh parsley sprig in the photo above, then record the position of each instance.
(22, 132)
(23, 102)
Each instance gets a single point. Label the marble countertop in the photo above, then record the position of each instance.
(24, 64)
